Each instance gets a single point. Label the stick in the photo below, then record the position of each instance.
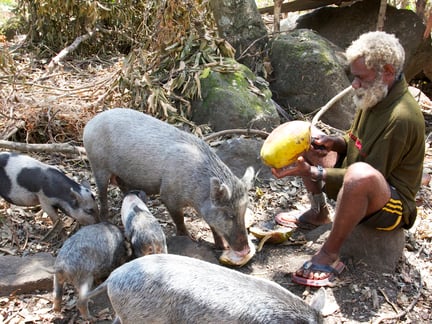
(59, 148)
(258, 132)
(324, 108)
(406, 311)
(56, 60)
(381, 15)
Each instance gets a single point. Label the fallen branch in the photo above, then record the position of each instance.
(46, 148)
(56, 60)
(225, 132)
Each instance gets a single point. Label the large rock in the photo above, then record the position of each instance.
(239, 153)
(235, 99)
(308, 72)
(342, 25)
(378, 251)
(22, 275)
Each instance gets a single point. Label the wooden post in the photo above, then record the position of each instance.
(381, 15)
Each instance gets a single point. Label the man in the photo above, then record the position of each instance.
(379, 161)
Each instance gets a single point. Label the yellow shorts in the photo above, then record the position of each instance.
(389, 217)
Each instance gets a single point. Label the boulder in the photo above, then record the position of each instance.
(308, 72)
(22, 275)
(361, 17)
(239, 153)
(238, 99)
(378, 251)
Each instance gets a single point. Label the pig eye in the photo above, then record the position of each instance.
(89, 211)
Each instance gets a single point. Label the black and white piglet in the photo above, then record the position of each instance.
(25, 181)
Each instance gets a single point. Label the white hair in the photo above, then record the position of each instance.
(378, 49)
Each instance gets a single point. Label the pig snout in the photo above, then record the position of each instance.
(238, 257)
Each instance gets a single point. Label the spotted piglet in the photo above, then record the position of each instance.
(25, 181)
(141, 228)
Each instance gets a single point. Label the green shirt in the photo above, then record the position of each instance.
(391, 138)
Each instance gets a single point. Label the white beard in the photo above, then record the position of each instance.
(366, 98)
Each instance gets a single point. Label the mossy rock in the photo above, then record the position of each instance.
(236, 99)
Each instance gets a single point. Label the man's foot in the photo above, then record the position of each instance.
(320, 271)
(309, 219)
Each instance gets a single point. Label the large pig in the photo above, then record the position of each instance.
(137, 151)
(25, 181)
(141, 228)
(168, 288)
(88, 255)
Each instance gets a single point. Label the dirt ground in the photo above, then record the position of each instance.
(358, 296)
(57, 107)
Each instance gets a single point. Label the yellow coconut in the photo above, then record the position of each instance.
(285, 143)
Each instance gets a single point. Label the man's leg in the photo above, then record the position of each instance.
(319, 213)
(364, 192)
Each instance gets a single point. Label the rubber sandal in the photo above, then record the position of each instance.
(333, 270)
(293, 219)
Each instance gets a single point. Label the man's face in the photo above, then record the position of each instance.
(369, 87)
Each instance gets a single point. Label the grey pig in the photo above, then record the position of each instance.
(25, 181)
(88, 255)
(141, 228)
(140, 152)
(168, 288)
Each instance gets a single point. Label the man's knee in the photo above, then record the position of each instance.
(361, 173)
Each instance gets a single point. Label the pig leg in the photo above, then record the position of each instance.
(102, 179)
(219, 241)
(178, 217)
(57, 292)
(57, 223)
(82, 303)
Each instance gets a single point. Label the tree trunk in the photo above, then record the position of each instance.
(240, 23)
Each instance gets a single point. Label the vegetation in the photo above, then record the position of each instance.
(169, 45)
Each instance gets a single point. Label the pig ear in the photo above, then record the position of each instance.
(323, 303)
(248, 177)
(219, 192)
(75, 195)
(86, 184)
(318, 300)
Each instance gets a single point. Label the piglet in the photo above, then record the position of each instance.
(25, 181)
(88, 255)
(141, 228)
(168, 288)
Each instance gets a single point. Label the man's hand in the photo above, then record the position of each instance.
(322, 144)
(300, 168)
